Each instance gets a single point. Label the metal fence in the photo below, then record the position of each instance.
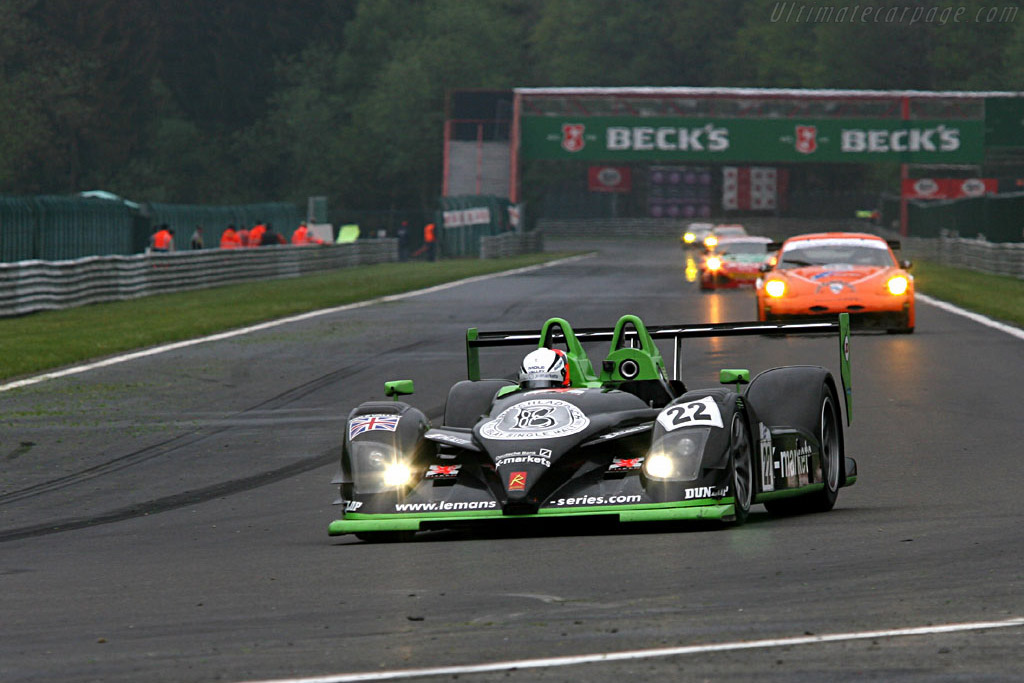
(29, 286)
(998, 258)
(511, 244)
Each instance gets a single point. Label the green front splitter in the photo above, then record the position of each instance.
(692, 510)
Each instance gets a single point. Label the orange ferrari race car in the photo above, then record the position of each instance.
(823, 274)
(734, 262)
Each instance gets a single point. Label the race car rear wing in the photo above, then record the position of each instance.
(558, 330)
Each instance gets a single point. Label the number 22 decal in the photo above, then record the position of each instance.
(691, 414)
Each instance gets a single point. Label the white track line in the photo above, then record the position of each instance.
(995, 324)
(648, 654)
(145, 353)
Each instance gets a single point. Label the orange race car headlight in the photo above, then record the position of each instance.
(775, 288)
(714, 263)
(897, 285)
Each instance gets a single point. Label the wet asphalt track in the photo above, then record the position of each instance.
(165, 519)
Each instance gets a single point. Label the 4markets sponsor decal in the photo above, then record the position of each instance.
(541, 457)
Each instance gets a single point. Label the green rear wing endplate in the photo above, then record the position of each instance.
(475, 340)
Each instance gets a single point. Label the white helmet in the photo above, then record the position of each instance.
(544, 369)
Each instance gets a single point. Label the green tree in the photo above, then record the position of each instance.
(611, 43)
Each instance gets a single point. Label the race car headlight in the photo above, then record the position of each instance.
(710, 241)
(775, 288)
(689, 238)
(897, 285)
(378, 466)
(659, 466)
(396, 474)
(714, 263)
(676, 455)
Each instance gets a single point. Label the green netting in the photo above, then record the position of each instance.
(999, 218)
(54, 228)
(282, 217)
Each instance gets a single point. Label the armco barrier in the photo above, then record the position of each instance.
(29, 286)
(1005, 258)
(511, 244)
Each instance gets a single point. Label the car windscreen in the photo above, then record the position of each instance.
(744, 248)
(828, 252)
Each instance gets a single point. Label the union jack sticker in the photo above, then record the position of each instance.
(366, 423)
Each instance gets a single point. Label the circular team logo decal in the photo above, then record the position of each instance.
(536, 419)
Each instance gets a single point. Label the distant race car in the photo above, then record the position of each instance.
(694, 235)
(819, 275)
(723, 230)
(625, 444)
(734, 262)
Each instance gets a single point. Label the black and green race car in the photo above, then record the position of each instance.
(624, 443)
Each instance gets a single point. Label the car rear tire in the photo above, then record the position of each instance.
(830, 434)
(741, 465)
(831, 453)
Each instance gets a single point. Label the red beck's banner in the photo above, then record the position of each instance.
(948, 188)
(609, 179)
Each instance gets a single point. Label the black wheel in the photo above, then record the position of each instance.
(904, 328)
(830, 436)
(741, 479)
(831, 454)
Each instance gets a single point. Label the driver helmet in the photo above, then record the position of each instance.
(544, 369)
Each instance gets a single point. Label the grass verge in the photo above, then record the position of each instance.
(50, 339)
(1000, 297)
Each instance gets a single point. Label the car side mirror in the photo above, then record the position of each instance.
(764, 267)
(398, 387)
(734, 376)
